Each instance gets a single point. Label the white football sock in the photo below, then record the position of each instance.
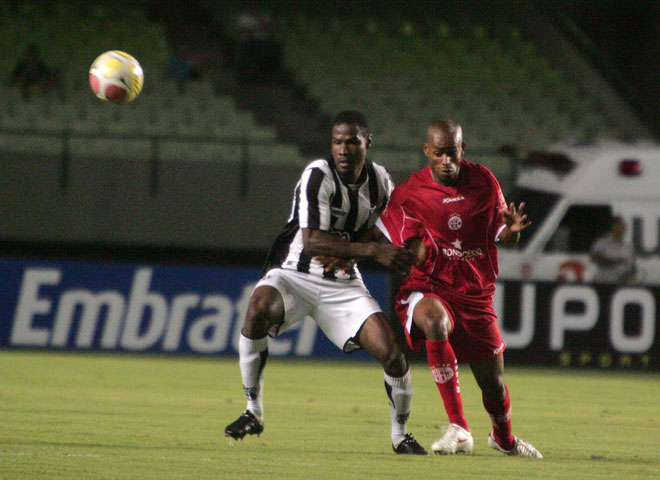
(253, 356)
(399, 391)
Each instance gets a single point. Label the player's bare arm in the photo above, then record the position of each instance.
(414, 246)
(335, 263)
(516, 221)
(320, 243)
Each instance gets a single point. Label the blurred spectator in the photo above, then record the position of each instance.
(182, 68)
(258, 55)
(614, 258)
(32, 75)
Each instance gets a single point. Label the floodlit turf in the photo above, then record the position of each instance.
(73, 416)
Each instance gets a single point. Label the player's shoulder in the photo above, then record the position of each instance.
(409, 187)
(417, 178)
(380, 170)
(321, 164)
(478, 171)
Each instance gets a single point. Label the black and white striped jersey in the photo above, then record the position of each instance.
(322, 201)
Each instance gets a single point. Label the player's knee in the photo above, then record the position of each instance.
(263, 312)
(394, 363)
(435, 327)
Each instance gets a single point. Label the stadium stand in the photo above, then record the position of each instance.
(507, 94)
(403, 67)
(160, 111)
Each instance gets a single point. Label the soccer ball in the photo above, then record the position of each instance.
(116, 77)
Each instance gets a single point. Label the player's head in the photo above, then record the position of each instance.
(444, 148)
(350, 140)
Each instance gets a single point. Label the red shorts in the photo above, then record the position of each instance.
(475, 336)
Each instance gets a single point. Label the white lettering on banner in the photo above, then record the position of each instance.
(180, 306)
(217, 323)
(24, 333)
(562, 321)
(137, 321)
(241, 311)
(306, 337)
(632, 344)
(645, 235)
(140, 300)
(523, 337)
(90, 306)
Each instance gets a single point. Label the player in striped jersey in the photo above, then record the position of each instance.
(336, 204)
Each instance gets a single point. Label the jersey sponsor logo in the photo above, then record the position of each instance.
(458, 254)
(455, 222)
(442, 374)
(453, 199)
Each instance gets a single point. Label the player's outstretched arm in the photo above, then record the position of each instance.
(515, 222)
(319, 243)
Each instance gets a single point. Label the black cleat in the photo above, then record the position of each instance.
(247, 424)
(409, 446)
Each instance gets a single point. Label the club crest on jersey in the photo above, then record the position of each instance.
(455, 222)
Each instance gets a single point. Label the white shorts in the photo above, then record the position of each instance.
(339, 308)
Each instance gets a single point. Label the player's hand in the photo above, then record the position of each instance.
(417, 248)
(514, 219)
(395, 258)
(331, 264)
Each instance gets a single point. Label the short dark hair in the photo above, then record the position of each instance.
(353, 117)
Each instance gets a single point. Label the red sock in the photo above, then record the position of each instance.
(500, 415)
(444, 368)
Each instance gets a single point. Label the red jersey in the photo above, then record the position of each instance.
(458, 225)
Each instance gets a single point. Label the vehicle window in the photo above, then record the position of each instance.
(580, 227)
(537, 207)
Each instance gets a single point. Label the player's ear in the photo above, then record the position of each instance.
(369, 140)
(462, 148)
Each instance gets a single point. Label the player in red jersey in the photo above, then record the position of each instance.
(452, 214)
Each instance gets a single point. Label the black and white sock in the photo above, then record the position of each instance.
(253, 355)
(399, 391)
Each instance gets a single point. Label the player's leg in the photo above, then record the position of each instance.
(265, 310)
(497, 402)
(432, 318)
(378, 338)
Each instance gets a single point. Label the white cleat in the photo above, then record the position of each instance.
(521, 448)
(455, 440)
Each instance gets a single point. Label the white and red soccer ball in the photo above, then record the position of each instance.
(116, 77)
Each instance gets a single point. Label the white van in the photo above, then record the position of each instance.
(571, 194)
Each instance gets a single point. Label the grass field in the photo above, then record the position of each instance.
(73, 416)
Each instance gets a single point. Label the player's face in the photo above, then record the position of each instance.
(349, 151)
(444, 152)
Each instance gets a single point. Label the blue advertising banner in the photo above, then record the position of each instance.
(143, 308)
(200, 309)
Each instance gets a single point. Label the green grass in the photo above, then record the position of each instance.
(73, 416)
